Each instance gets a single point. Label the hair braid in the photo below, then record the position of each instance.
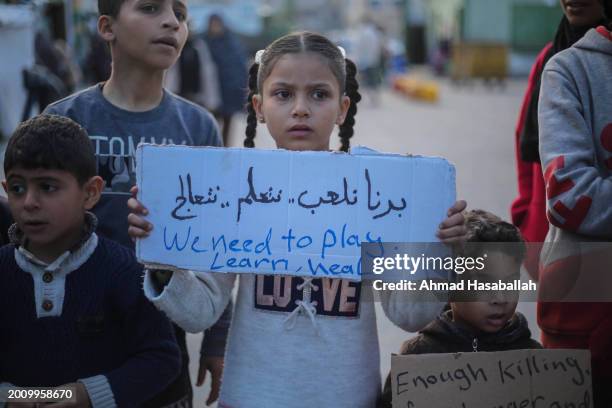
(251, 128)
(352, 91)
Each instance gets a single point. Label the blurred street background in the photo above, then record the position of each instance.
(439, 77)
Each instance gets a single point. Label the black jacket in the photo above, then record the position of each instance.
(443, 335)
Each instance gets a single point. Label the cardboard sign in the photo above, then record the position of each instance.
(509, 379)
(282, 212)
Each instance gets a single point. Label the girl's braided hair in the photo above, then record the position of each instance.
(343, 69)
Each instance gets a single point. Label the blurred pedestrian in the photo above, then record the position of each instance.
(194, 76)
(50, 55)
(229, 57)
(369, 55)
(189, 71)
(98, 60)
(51, 78)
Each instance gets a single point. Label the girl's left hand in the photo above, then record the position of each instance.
(452, 230)
(215, 366)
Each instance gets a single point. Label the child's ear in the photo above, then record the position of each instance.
(93, 189)
(5, 186)
(345, 103)
(257, 106)
(105, 28)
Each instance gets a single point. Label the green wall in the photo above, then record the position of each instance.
(525, 25)
(533, 25)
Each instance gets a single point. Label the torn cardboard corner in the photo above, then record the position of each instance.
(281, 212)
(518, 378)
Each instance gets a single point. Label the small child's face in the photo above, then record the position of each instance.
(148, 33)
(492, 315)
(49, 206)
(300, 102)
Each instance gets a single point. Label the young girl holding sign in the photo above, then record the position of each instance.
(301, 86)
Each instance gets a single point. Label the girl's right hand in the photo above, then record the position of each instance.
(138, 226)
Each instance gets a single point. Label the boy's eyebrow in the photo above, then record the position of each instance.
(11, 176)
(46, 178)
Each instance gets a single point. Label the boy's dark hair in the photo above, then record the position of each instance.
(343, 69)
(487, 228)
(109, 7)
(51, 142)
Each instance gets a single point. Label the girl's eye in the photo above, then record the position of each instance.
(282, 94)
(320, 94)
(180, 16)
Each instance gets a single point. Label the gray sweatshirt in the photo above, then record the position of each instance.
(576, 149)
(575, 119)
(293, 342)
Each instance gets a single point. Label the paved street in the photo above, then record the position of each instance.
(472, 127)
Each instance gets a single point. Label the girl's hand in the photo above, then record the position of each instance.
(215, 366)
(138, 227)
(452, 230)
